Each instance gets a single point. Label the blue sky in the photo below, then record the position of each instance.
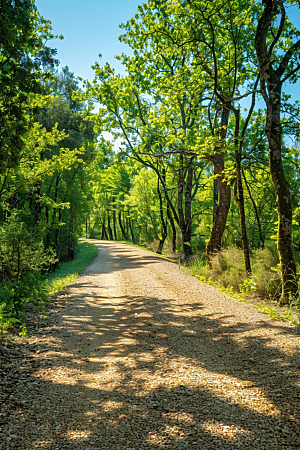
(89, 28)
(92, 27)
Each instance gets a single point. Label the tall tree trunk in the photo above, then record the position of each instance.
(285, 212)
(131, 230)
(271, 84)
(239, 192)
(220, 211)
(71, 240)
(109, 227)
(103, 230)
(261, 236)
(164, 230)
(184, 193)
(121, 227)
(187, 232)
(125, 221)
(114, 225)
(172, 223)
(215, 199)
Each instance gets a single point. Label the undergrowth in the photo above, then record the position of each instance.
(35, 288)
(227, 273)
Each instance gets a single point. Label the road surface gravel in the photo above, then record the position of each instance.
(138, 355)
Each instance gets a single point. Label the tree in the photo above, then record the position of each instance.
(277, 49)
(23, 53)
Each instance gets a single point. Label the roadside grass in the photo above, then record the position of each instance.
(261, 290)
(65, 274)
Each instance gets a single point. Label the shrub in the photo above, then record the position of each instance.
(16, 293)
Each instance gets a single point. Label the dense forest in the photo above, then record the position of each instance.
(203, 157)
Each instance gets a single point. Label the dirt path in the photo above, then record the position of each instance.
(138, 355)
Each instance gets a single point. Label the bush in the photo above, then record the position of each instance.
(15, 294)
(21, 251)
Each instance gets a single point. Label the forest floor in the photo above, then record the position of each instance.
(138, 355)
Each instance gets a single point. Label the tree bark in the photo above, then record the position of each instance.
(109, 227)
(271, 84)
(121, 227)
(164, 231)
(172, 223)
(187, 231)
(239, 192)
(261, 236)
(215, 198)
(223, 205)
(71, 241)
(114, 225)
(131, 230)
(103, 231)
(215, 239)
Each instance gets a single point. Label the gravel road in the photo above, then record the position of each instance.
(138, 355)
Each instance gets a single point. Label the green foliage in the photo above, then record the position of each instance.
(21, 251)
(24, 34)
(35, 288)
(285, 316)
(15, 294)
(6, 321)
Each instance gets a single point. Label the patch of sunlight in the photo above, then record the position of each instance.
(169, 432)
(111, 406)
(146, 357)
(77, 434)
(225, 431)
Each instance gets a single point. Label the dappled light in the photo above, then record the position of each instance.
(165, 371)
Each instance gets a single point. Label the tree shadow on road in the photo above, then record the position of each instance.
(145, 375)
